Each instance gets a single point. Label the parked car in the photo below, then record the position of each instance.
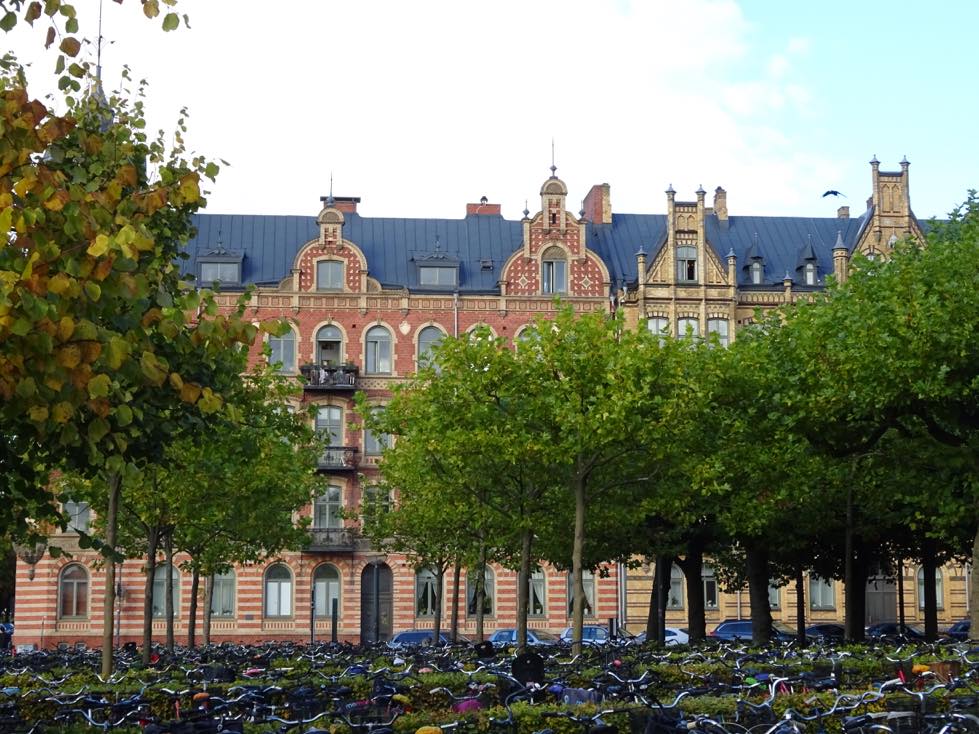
(825, 632)
(414, 638)
(534, 637)
(893, 629)
(590, 634)
(960, 630)
(740, 629)
(6, 634)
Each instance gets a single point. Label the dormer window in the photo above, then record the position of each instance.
(329, 275)
(226, 273)
(757, 272)
(809, 273)
(438, 276)
(686, 264)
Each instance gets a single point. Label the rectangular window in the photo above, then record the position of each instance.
(437, 276)
(78, 516)
(675, 598)
(719, 327)
(278, 599)
(221, 272)
(687, 328)
(538, 591)
(711, 599)
(821, 593)
(554, 276)
(588, 581)
(329, 422)
(329, 275)
(223, 596)
(686, 264)
(375, 443)
(774, 596)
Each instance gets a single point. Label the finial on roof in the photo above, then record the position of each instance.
(731, 253)
(904, 160)
(641, 252)
(553, 165)
(329, 198)
(700, 190)
(755, 238)
(839, 241)
(581, 212)
(526, 211)
(670, 190)
(874, 161)
(787, 276)
(438, 244)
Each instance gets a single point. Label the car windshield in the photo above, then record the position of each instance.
(782, 627)
(542, 635)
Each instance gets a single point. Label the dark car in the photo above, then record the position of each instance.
(6, 634)
(740, 629)
(825, 632)
(534, 637)
(960, 630)
(885, 630)
(414, 638)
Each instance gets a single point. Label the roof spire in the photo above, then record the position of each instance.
(329, 199)
(553, 166)
(526, 211)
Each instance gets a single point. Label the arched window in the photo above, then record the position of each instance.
(329, 346)
(588, 581)
(489, 584)
(326, 590)
(78, 516)
(327, 509)
(687, 327)
(939, 588)
(809, 273)
(711, 597)
(223, 595)
(73, 592)
(757, 271)
(278, 591)
(821, 593)
(686, 264)
(554, 271)
(375, 443)
(537, 606)
(329, 275)
(426, 593)
(378, 344)
(329, 422)
(719, 327)
(676, 597)
(283, 351)
(160, 590)
(428, 338)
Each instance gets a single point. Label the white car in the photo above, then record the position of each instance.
(676, 636)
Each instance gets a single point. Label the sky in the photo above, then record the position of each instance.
(420, 107)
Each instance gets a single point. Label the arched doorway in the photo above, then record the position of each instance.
(376, 603)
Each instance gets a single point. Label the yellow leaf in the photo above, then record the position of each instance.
(99, 247)
(39, 413)
(190, 392)
(69, 356)
(189, 188)
(59, 283)
(66, 327)
(62, 412)
(176, 381)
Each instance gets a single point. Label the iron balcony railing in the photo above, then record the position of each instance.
(332, 539)
(329, 378)
(340, 458)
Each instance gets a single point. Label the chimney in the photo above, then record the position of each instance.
(720, 205)
(598, 204)
(482, 208)
(843, 212)
(345, 204)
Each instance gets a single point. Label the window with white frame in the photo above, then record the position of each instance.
(537, 604)
(554, 271)
(687, 327)
(375, 443)
(757, 272)
(720, 328)
(711, 597)
(686, 264)
(809, 273)
(329, 346)
(660, 326)
(822, 595)
(675, 598)
(329, 422)
(939, 588)
(378, 345)
(160, 590)
(223, 594)
(489, 592)
(438, 276)
(376, 501)
(774, 595)
(328, 509)
(588, 581)
(426, 593)
(329, 275)
(283, 351)
(278, 591)
(78, 515)
(428, 338)
(73, 592)
(326, 590)
(222, 272)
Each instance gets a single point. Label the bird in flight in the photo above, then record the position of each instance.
(834, 192)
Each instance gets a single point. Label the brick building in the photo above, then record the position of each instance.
(368, 296)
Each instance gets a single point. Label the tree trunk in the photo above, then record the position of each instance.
(168, 588)
(761, 612)
(974, 590)
(652, 616)
(928, 568)
(800, 607)
(208, 603)
(195, 585)
(855, 590)
(456, 578)
(479, 597)
(114, 482)
(577, 566)
(152, 545)
(439, 586)
(523, 588)
(692, 567)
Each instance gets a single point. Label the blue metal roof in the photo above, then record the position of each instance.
(482, 243)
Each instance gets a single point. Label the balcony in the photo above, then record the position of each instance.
(332, 540)
(329, 379)
(339, 459)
